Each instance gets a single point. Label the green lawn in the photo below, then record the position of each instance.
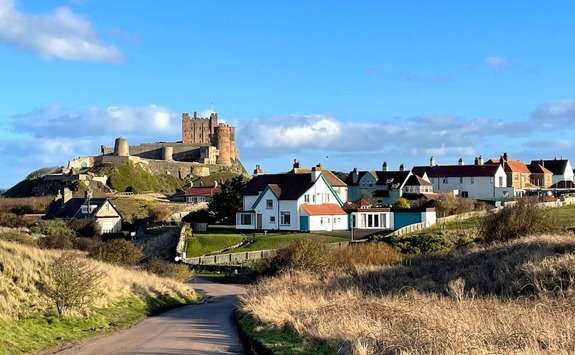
(566, 214)
(222, 237)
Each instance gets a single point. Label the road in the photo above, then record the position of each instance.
(206, 328)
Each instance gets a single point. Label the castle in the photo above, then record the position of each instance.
(204, 142)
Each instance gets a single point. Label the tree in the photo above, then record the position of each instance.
(71, 284)
(118, 251)
(446, 204)
(401, 203)
(227, 203)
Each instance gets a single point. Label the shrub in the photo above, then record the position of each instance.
(54, 228)
(117, 251)
(416, 243)
(305, 254)
(401, 203)
(71, 284)
(522, 219)
(56, 241)
(160, 214)
(18, 237)
(12, 220)
(200, 216)
(86, 244)
(86, 228)
(178, 272)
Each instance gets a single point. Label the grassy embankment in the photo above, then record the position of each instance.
(29, 321)
(222, 238)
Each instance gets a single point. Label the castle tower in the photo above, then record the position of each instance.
(199, 130)
(121, 148)
(224, 144)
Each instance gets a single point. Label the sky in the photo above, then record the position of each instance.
(343, 83)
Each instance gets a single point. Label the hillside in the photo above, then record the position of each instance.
(124, 296)
(515, 297)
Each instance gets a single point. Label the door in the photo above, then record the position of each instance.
(304, 223)
(259, 221)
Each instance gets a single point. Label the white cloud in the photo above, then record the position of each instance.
(59, 33)
(495, 62)
(554, 115)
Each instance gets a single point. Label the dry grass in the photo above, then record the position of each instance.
(514, 298)
(23, 267)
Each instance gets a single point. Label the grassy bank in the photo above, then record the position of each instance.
(29, 320)
(515, 297)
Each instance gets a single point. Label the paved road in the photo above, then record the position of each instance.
(206, 328)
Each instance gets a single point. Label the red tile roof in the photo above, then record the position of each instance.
(325, 209)
(510, 166)
(362, 202)
(202, 190)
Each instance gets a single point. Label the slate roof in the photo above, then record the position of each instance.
(556, 166)
(391, 177)
(456, 170)
(415, 180)
(331, 178)
(324, 209)
(361, 174)
(73, 208)
(285, 186)
(536, 168)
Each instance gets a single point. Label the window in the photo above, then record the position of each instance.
(285, 218)
(501, 181)
(516, 177)
(464, 194)
(272, 219)
(245, 219)
(445, 181)
(306, 198)
(325, 197)
(461, 179)
(473, 180)
(491, 179)
(321, 221)
(269, 204)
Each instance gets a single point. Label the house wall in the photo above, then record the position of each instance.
(261, 208)
(342, 192)
(108, 219)
(362, 219)
(482, 186)
(292, 208)
(402, 219)
(567, 174)
(328, 223)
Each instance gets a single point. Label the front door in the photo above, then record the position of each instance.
(259, 221)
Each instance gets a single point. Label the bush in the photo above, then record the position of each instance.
(54, 228)
(370, 254)
(57, 241)
(117, 251)
(86, 244)
(522, 219)
(200, 216)
(71, 284)
(160, 214)
(178, 272)
(416, 243)
(12, 220)
(305, 254)
(401, 203)
(18, 237)
(86, 228)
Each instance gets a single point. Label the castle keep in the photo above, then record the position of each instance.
(204, 142)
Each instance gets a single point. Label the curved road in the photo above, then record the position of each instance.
(206, 328)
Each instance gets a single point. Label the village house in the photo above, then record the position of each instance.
(540, 177)
(99, 210)
(291, 202)
(196, 194)
(518, 174)
(560, 168)
(336, 183)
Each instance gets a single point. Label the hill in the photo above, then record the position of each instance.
(123, 297)
(515, 297)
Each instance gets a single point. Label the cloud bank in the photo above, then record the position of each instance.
(60, 33)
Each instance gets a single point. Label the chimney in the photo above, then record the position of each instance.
(355, 176)
(296, 164)
(384, 166)
(505, 156)
(401, 167)
(258, 171)
(432, 161)
(319, 167)
(460, 162)
(315, 173)
(542, 163)
(476, 161)
(480, 160)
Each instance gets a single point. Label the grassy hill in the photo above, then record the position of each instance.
(124, 296)
(513, 297)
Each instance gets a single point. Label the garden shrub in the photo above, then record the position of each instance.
(86, 228)
(54, 228)
(416, 243)
(519, 220)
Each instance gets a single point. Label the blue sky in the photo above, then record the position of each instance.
(347, 84)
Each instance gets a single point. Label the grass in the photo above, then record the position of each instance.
(124, 297)
(516, 297)
(566, 214)
(223, 237)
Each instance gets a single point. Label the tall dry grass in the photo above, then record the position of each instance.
(22, 268)
(434, 305)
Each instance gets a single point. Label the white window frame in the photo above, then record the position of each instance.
(285, 218)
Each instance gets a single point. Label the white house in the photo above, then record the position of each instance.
(561, 169)
(291, 202)
(468, 181)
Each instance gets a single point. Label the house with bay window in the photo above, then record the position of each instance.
(291, 202)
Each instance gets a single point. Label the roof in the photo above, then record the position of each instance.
(285, 186)
(362, 202)
(202, 190)
(324, 209)
(331, 178)
(514, 166)
(360, 175)
(556, 166)
(536, 168)
(416, 196)
(73, 208)
(391, 177)
(563, 184)
(415, 180)
(456, 170)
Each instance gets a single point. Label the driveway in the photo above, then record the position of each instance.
(206, 328)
